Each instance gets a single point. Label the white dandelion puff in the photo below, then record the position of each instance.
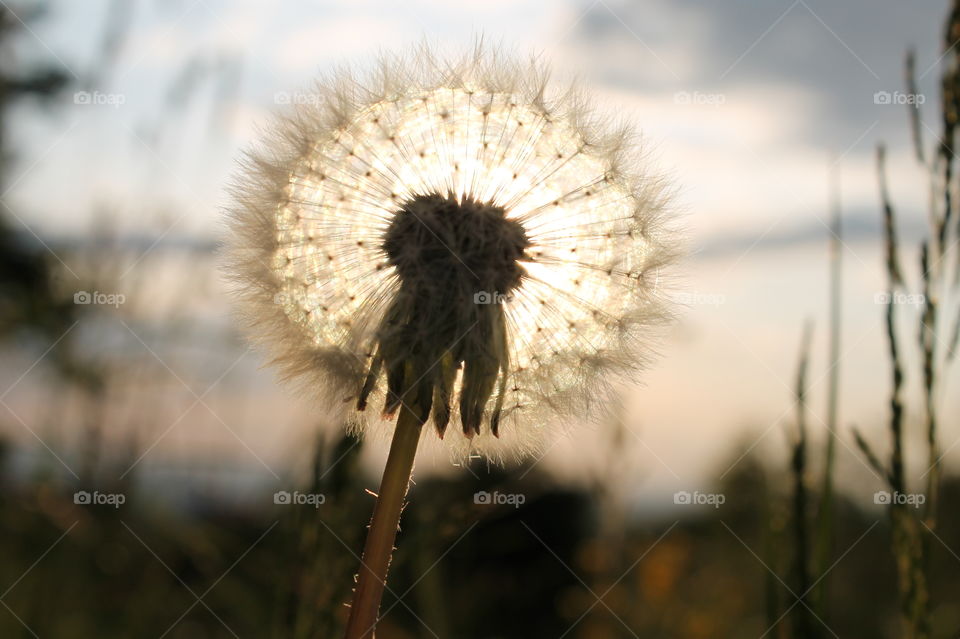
(455, 238)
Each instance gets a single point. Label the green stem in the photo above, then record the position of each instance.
(372, 576)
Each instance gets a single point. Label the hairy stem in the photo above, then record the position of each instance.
(378, 550)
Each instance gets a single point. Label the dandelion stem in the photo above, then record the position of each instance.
(378, 550)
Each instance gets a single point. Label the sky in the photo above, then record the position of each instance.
(747, 107)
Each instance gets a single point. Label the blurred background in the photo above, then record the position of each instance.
(158, 482)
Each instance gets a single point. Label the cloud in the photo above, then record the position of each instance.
(842, 53)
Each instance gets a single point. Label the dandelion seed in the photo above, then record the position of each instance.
(453, 237)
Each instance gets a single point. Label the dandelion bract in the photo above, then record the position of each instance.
(454, 236)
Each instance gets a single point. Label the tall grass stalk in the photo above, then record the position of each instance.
(824, 541)
(805, 623)
(913, 534)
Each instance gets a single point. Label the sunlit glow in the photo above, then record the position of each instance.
(586, 254)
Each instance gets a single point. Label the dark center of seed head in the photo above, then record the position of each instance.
(457, 262)
(444, 246)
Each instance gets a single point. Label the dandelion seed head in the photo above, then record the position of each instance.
(453, 236)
